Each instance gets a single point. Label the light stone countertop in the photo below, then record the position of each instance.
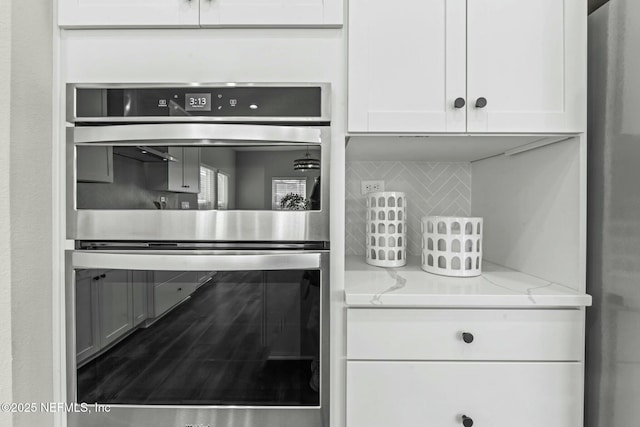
(410, 286)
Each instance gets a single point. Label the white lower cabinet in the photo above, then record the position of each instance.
(464, 367)
(169, 294)
(87, 333)
(115, 305)
(140, 302)
(439, 394)
(465, 334)
(172, 287)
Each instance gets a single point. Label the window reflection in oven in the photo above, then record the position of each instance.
(198, 338)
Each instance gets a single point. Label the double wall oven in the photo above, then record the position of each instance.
(198, 290)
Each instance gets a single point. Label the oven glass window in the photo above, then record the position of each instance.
(197, 178)
(198, 338)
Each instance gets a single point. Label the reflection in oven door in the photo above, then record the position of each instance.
(198, 337)
(195, 178)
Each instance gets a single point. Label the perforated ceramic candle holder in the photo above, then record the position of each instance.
(386, 229)
(452, 246)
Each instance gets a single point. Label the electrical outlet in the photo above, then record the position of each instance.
(371, 186)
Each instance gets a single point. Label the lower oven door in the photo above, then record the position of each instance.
(197, 338)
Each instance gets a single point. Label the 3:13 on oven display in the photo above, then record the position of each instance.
(197, 102)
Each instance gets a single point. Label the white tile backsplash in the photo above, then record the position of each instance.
(432, 188)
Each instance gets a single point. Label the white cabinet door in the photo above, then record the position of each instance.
(528, 60)
(191, 170)
(175, 170)
(417, 394)
(406, 65)
(87, 340)
(115, 300)
(283, 311)
(173, 291)
(128, 13)
(95, 164)
(139, 285)
(271, 12)
(423, 334)
(181, 176)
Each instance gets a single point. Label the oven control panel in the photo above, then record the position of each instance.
(247, 101)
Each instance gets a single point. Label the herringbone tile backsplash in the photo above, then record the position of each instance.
(432, 188)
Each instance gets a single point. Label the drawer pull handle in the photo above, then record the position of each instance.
(467, 337)
(466, 421)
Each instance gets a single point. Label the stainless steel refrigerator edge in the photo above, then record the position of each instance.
(613, 324)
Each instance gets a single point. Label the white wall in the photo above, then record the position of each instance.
(31, 206)
(531, 204)
(6, 394)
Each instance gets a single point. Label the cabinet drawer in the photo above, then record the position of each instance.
(408, 394)
(169, 294)
(421, 334)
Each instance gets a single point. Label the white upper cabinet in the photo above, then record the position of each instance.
(195, 13)
(528, 60)
(493, 66)
(128, 13)
(271, 12)
(406, 65)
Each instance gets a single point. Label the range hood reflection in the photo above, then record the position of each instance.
(144, 154)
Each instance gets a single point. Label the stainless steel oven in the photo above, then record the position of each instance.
(198, 290)
(197, 337)
(215, 162)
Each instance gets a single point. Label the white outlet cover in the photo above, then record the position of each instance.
(371, 186)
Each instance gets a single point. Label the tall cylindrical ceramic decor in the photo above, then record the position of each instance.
(386, 229)
(452, 246)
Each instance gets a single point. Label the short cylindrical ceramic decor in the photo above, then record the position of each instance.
(452, 246)
(386, 229)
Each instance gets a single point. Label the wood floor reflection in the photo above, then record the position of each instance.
(210, 350)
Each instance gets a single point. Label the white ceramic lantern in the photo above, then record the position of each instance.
(386, 229)
(452, 246)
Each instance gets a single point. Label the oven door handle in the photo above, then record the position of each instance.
(177, 134)
(196, 260)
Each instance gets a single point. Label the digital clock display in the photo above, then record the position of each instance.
(197, 102)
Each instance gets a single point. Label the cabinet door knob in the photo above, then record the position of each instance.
(466, 421)
(103, 276)
(459, 103)
(179, 289)
(96, 278)
(467, 337)
(481, 102)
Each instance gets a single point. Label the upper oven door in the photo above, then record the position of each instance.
(198, 182)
